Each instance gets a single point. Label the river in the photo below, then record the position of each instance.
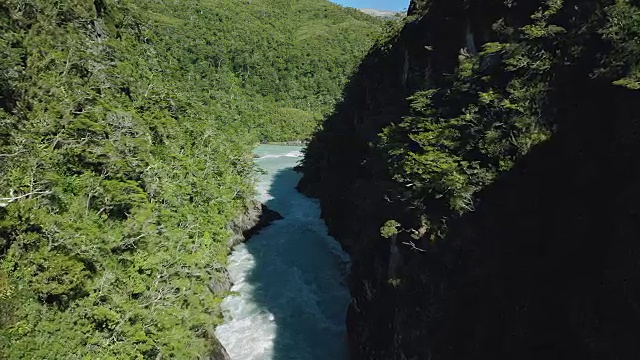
(289, 295)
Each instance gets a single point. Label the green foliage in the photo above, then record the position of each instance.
(472, 116)
(289, 123)
(622, 30)
(6, 290)
(125, 136)
(263, 56)
(478, 122)
(395, 282)
(389, 229)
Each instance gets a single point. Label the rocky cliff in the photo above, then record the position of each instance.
(501, 139)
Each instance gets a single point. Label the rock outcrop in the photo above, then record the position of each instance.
(257, 217)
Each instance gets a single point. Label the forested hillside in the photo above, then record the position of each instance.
(125, 136)
(480, 171)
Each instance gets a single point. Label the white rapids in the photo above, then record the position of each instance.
(290, 297)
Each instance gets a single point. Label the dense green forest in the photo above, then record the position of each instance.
(125, 136)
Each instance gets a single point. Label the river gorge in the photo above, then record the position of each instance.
(289, 297)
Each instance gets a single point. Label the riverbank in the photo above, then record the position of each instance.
(288, 143)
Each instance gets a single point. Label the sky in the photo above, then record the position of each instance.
(396, 5)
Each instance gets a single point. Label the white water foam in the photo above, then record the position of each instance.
(292, 154)
(290, 299)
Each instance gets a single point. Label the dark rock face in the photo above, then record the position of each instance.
(218, 352)
(255, 219)
(267, 216)
(418, 7)
(550, 257)
(220, 284)
(548, 264)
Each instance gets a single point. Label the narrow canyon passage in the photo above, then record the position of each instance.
(290, 296)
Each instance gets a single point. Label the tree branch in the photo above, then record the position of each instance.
(413, 246)
(4, 202)
(12, 155)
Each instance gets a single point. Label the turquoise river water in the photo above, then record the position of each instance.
(290, 297)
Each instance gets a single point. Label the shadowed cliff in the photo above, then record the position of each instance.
(542, 261)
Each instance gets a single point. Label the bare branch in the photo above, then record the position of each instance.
(413, 246)
(4, 202)
(12, 155)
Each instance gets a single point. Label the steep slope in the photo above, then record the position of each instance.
(125, 136)
(479, 172)
(291, 59)
(383, 14)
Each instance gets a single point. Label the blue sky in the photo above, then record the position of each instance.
(396, 5)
